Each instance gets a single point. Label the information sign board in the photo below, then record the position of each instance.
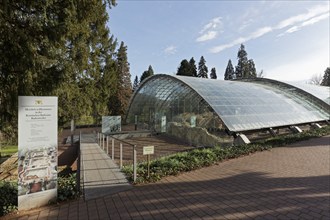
(148, 150)
(111, 124)
(37, 151)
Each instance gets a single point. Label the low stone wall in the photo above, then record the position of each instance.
(196, 136)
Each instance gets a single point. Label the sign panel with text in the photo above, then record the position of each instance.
(37, 151)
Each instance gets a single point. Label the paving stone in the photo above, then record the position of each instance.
(285, 183)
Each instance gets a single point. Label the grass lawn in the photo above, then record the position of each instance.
(8, 150)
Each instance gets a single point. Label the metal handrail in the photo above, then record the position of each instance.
(100, 140)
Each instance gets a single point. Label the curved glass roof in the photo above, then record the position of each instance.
(241, 105)
(321, 92)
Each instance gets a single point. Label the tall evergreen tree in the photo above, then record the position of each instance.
(252, 72)
(229, 73)
(119, 100)
(54, 48)
(242, 68)
(135, 83)
(202, 68)
(213, 74)
(147, 73)
(326, 78)
(193, 68)
(184, 69)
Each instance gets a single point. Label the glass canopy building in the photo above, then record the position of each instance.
(164, 103)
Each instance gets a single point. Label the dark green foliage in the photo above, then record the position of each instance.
(242, 65)
(187, 161)
(67, 187)
(326, 78)
(135, 83)
(8, 197)
(202, 68)
(184, 69)
(252, 69)
(187, 68)
(213, 74)
(245, 68)
(147, 73)
(56, 48)
(66, 190)
(201, 157)
(193, 68)
(229, 73)
(122, 89)
(292, 138)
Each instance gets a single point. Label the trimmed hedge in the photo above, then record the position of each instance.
(202, 157)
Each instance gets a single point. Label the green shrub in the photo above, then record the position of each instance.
(8, 198)
(67, 187)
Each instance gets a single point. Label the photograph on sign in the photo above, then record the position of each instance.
(37, 151)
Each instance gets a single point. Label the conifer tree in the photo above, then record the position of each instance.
(193, 68)
(135, 83)
(252, 72)
(147, 73)
(326, 78)
(60, 48)
(184, 69)
(119, 100)
(213, 74)
(202, 68)
(229, 73)
(242, 68)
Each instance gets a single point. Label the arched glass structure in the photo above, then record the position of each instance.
(235, 106)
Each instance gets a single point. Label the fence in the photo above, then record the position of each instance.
(103, 141)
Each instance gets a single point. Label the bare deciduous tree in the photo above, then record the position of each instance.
(316, 79)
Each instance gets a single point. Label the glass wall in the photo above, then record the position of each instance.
(212, 106)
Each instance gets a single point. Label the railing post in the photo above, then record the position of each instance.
(134, 163)
(107, 149)
(121, 156)
(103, 141)
(78, 165)
(107, 144)
(113, 149)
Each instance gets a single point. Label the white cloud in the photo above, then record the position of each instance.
(207, 36)
(315, 11)
(210, 30)
(170, 50)
(313, 16)
(258, 33)
(305, 23)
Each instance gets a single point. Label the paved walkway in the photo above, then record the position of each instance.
(100, 175)
(285, 183)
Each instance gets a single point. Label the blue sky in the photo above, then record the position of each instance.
(288, 40)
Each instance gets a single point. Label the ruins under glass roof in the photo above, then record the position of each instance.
(235, 106)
